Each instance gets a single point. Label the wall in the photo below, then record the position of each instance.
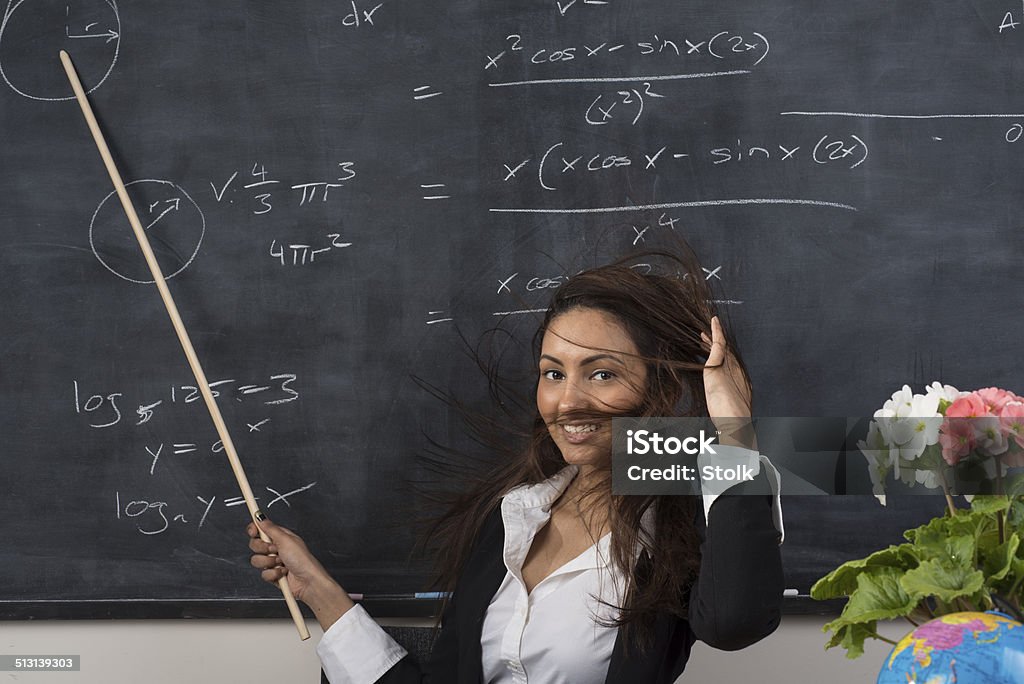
(176, 651)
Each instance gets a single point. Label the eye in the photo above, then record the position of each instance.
(603, 375)
(552, 374)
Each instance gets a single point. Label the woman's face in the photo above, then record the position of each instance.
(588, 366)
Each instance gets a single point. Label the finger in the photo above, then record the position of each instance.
(268, 531)
(273, 530)
(257, 545)
(717, 333)
(265, 562)
(274, 574)
(262, 528)
(719, 353)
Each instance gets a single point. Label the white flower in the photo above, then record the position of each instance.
(947, 392)
(900, 401)
(992, 441)
(929, 478)
(876, 451)
(908, 424)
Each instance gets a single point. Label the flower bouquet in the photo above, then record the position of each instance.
(966, 560)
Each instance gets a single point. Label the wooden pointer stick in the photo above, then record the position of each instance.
(179, 326)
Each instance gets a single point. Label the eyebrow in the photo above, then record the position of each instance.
(587, 361)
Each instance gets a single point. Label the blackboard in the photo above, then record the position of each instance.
(343, 191)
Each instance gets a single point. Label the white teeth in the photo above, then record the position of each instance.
(578, 429)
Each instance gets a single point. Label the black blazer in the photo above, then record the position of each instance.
(734, 602)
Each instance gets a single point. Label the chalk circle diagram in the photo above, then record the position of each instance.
(33, 33)
(173, 223)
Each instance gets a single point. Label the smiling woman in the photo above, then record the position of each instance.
(554, 579)
(580, 384)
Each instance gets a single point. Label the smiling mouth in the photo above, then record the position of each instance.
(580, 429)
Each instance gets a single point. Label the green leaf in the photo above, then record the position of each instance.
(1016, 569)
(989, 504)
(996, 560)
(951, 563)
(878, 596)
(851, 637)
(954, 545)
(936, 527)
(1016, 572)
(1015, 516)
(945, 581)
(1014, 484)
(949, 539)
(843, 580)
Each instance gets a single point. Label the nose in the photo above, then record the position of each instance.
(573, 397)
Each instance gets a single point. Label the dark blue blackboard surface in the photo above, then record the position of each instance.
(338, 188)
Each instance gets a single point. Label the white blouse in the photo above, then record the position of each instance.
(538, 638)
(544, 637)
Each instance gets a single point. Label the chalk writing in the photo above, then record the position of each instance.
(557, 161)
(515, 281)
(444, 317)
(302, 254)
(104, 409)
(630, 208)
(1011, 20)
(99, 402)
(600, 111)
(564, 5)
(359, 16)
(153, 454)
(747, 49)
(433, 191)
(425, 92)
(260, 190)
(532, 284)
(173, 222)
(152, 517)
(1010, 135)
(32, 32)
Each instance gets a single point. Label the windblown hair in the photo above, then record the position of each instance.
(664, 315)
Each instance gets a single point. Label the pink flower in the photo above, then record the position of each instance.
(972, 412)
(1011, 418)
(969, 406)
(994, 398)
(957, 439)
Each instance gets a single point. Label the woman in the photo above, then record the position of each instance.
(555, 579)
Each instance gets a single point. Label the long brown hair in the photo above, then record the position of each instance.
(664, 314)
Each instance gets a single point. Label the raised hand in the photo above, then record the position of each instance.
(726, 389)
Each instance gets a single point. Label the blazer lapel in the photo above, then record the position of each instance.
(478, 582)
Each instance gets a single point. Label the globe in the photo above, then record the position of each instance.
(965, 648)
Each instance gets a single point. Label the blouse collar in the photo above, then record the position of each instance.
(527, 508)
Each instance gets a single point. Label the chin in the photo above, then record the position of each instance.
(585, 455)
